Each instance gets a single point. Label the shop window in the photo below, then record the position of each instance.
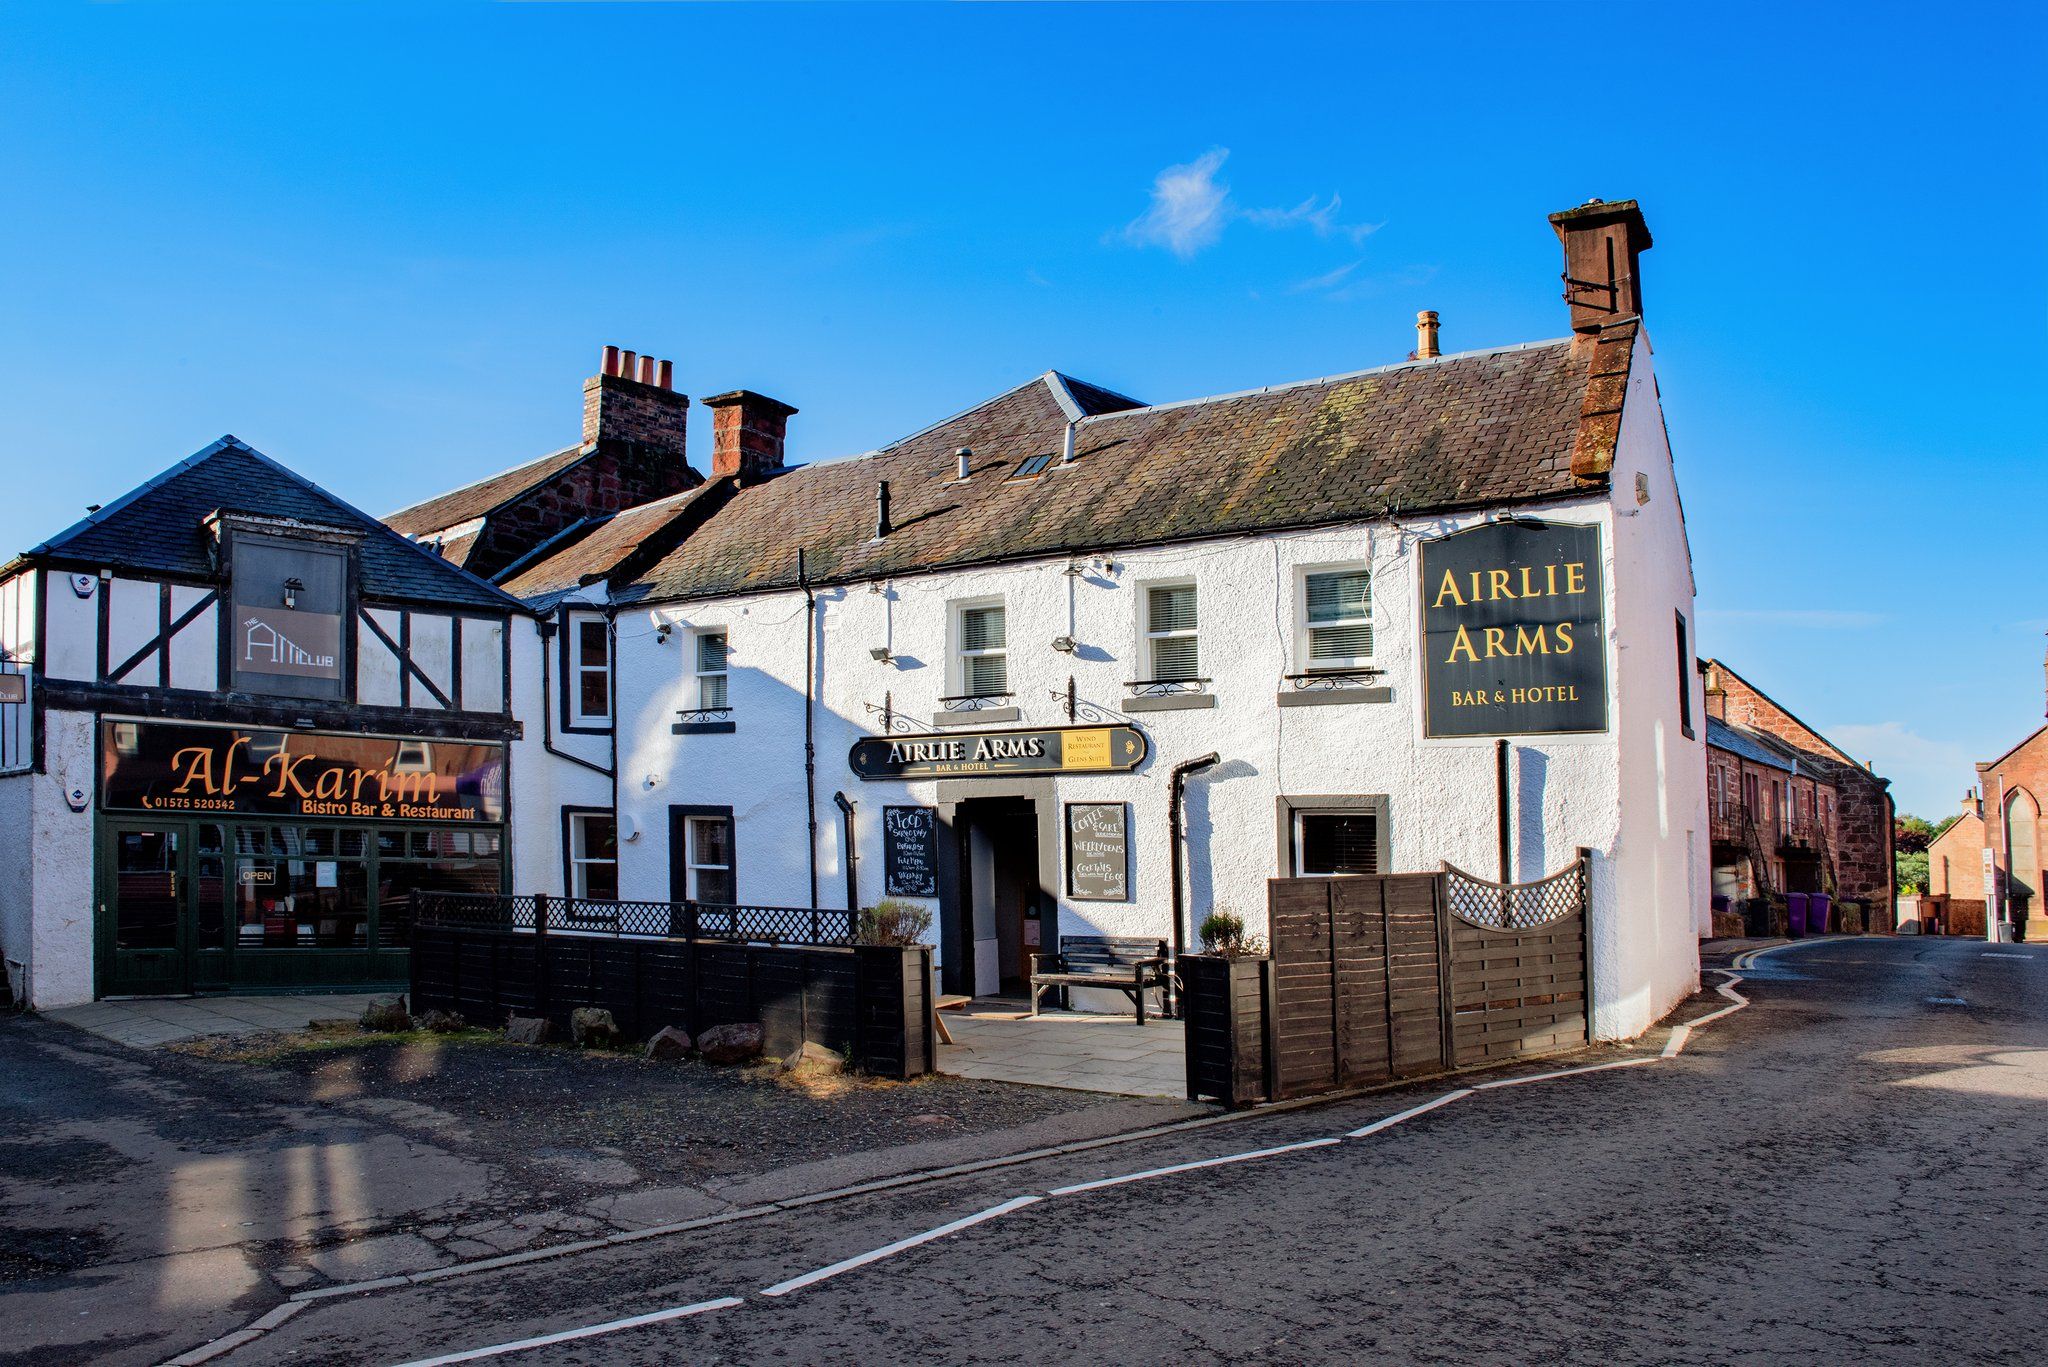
(983, 669)
(594, 856)
(590, 670)
(1336, 619)
(714, 692)
(294, 889)
(1170, 633)
(1333, 843)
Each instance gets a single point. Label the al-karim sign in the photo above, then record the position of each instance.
(168, 767)
(1513, 631)
(1056, 750)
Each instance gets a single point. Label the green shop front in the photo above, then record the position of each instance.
(239, 859)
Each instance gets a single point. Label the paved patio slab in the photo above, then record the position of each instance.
(1001, 1041)
(151, 1022)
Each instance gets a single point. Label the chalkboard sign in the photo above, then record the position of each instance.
(1098, 852)
(910, 851)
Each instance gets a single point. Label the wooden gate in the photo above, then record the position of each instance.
(1360, 990)
(1397, 975)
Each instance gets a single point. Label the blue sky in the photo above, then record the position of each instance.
(384, 246)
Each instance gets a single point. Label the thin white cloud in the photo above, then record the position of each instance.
(1328, 280)
(1815, 619)
(1189, 207)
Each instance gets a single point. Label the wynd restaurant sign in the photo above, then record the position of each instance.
(1056, 750)
(1513, 634)
(159, 767)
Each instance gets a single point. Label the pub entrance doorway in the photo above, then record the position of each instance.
(145, 893)
(1003, 909)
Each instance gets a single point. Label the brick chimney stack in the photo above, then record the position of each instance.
(1602, 244)
(748, 431)
(631, 405)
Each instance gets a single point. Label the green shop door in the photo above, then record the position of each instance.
(145, 888)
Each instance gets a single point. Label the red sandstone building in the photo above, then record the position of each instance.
(1787, 810)
(1990, 862)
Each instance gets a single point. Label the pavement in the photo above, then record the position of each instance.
(150, 1022)
(1003, 1042)
(1840, 1171)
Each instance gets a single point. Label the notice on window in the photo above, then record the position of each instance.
(1098, 852)
(910, 851)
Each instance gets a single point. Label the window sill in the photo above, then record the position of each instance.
(703, 728)
(987, 716)
(1171, 702)
(1335, 697)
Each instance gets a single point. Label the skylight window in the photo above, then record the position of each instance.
(1033, 466)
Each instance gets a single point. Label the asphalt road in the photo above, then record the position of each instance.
(1843, 1172)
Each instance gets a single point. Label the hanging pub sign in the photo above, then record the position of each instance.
(1098, 852)
(910, 851)
(1055, 750)
(1513, 630)
(171, 767)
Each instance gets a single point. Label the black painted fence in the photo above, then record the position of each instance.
(869, 1002)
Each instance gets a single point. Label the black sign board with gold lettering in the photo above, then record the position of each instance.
(972, 754)
(1098, 852)
(1513, 631)
(172, 767)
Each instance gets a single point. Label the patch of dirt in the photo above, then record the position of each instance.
(26, 1254)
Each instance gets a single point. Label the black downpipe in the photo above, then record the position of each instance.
(1500, 785)
(803, 580)
(1176, 786)
(547, 715)
(852, 874)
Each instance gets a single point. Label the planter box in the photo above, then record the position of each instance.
(1224, 1012)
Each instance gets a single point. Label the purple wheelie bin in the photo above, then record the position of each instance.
(1795, 912)
(1817, 907)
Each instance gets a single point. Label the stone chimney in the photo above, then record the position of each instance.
(1602, 243)
(748, 431)
(1426, 346)
(631, 406)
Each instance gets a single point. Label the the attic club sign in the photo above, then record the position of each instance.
(1056, 750)
(1513, 630)
(158, 767)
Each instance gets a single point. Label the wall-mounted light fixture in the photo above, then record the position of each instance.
(1063, 644)
(661, 633)
(293, 587)
(882, 655)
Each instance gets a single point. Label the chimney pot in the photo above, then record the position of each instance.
(646, 370)
(1067, 446)
(1602, 243)
(665, 375)
(1425, 335)
(964, 458)
(609, 364)
(748, 434)
(882, 527)
(629, 364)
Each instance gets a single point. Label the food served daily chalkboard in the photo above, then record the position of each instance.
(1098, 852)
(910, 851)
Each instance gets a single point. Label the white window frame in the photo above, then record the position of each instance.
(580, 861)
(693, 864)
(578, 668)
(961, 654)
(1152, 638)
(1303, 652)
(701, 674)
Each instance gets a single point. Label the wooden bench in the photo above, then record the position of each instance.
(1116, 963)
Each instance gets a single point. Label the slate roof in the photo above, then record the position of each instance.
(158, 527)
(599, 546)
(1482, 429)
(474, 500)
(1755, 748)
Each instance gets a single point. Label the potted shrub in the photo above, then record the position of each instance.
(1224, 1000)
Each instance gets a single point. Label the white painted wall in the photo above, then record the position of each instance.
(17, 656)
(46, 882)
(71, 629)
(1646, 932)
(544, 783)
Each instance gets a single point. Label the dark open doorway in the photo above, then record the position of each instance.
(1002, 909)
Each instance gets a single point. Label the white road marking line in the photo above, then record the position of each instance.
(1681, 1035)
(2002, 954)
(1102, 1182)
(1390, 1121)
(890, 1250)
(592, 1331)
(1564, 1072)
